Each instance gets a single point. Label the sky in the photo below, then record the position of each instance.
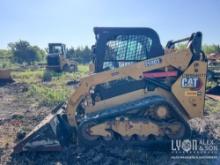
(72, 21)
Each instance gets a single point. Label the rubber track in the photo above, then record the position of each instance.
(121, 110)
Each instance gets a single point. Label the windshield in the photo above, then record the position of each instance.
(126, 49)
(55, 49)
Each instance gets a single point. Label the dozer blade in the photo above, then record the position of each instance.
(5, 76)
(52, 134)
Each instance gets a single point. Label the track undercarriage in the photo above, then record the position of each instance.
(142, 121)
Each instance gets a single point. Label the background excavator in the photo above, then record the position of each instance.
(138, 93)
(56, 58)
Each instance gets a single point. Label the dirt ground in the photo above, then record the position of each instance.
(18, 112)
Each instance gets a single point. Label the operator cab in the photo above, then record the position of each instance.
(119, 47)
(57, 49)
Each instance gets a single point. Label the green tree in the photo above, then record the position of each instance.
(206, 48)
(71, 53)
(181, 46)
(4, 53)
(23, 52)
(86, 55)
(211, 48)
(80, 54)
(5, 58)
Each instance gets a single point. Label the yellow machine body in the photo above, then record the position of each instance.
(148, 99)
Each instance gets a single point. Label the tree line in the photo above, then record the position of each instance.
(23, 52)
(208, 49)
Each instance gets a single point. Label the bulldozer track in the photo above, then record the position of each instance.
(127, 111)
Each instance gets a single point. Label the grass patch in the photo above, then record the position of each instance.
(52, 92)
(210, 84)
(5, 64)
(83, 69)
(28, 76)
(212, 105)
(48, 96)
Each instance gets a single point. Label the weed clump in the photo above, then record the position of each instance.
(47, 76)
(48, 96)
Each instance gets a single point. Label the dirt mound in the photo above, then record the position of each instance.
(207, 128)
(17, 112)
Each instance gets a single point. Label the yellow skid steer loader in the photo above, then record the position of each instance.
(139, 93)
